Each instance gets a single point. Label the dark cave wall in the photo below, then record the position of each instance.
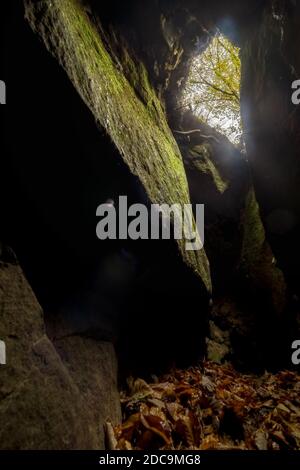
(240, 247)
(249, 290)
(143, 296)
(267, 33)
(62, 166)
(270, 65)
(53, 395)
(153, 53)
(60, 381)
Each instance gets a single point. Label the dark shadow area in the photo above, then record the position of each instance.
(58, 166)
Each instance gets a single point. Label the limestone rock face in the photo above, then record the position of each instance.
(270, 64)
(93, 368)
(50, 398)
(219, 178)
(250, 299)
(133, 116)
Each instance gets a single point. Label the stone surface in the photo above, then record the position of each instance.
(217, 352)
(134, 119)
(50, 399)
(218, 177)
(117, 89)
(258, 264)
(93, 368)
(245, 274)
(270, 64)
(218, 344)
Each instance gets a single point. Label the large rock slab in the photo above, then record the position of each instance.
(133, 116)
(50, 398)
(270, 64)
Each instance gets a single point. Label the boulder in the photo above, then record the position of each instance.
(117, 90)
(51, 396)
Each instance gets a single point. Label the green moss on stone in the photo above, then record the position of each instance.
(201, 158)
(257, 260)
(134, 120)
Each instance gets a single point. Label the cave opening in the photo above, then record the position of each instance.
(212, 88)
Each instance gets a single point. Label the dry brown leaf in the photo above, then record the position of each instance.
(157, 426)
(185, 405)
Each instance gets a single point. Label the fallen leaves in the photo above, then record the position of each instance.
(211, 407)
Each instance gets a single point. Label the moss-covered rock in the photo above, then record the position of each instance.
(201, 159)
(136, 125)
(257, 260)
(252, 310)
(218, 177)
(249, 289)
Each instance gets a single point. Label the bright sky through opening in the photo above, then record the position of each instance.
(213, 88)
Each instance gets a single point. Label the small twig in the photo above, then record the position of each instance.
(196, 131)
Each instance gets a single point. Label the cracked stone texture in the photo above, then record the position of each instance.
(51, 396)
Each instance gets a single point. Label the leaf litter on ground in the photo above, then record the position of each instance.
(210, 407)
